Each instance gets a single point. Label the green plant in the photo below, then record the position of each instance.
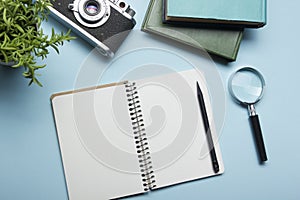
(21, 36)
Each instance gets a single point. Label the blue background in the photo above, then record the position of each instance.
(30, 165)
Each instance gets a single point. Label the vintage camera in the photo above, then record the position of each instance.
(103, 23)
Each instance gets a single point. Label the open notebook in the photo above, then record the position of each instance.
(128, 138)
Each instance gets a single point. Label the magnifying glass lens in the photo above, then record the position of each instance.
(247, 86)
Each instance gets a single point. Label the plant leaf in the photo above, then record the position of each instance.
(19, 28)
(4, 16)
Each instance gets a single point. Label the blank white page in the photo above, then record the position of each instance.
(173, 122)
(97, 148)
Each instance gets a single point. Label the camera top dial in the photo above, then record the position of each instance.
(90, 13)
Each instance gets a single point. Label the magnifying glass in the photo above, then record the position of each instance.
(247, 86)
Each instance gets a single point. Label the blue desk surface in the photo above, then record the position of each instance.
(30, 165)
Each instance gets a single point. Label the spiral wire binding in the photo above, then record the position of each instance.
(140, 136)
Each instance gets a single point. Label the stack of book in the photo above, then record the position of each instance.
(215, 26)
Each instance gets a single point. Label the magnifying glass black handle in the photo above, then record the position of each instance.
(258, 138)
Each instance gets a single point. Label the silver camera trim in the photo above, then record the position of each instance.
(102, 48)
(124, 11)
(78, 10)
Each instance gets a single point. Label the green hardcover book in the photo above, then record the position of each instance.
(224, 43)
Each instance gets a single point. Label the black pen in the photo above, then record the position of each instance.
(211, 147)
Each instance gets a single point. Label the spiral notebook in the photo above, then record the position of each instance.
(133, 137)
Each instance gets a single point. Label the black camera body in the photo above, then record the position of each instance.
(103, 23)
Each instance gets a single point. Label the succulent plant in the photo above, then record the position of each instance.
(22, 39)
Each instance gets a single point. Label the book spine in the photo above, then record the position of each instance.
(140, 136)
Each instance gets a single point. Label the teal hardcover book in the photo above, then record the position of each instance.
(234, 13)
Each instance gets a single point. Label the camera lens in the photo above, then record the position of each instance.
(91, 13)
(92, 7)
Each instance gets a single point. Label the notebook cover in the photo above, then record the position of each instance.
(239, 13)
(224, 43)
